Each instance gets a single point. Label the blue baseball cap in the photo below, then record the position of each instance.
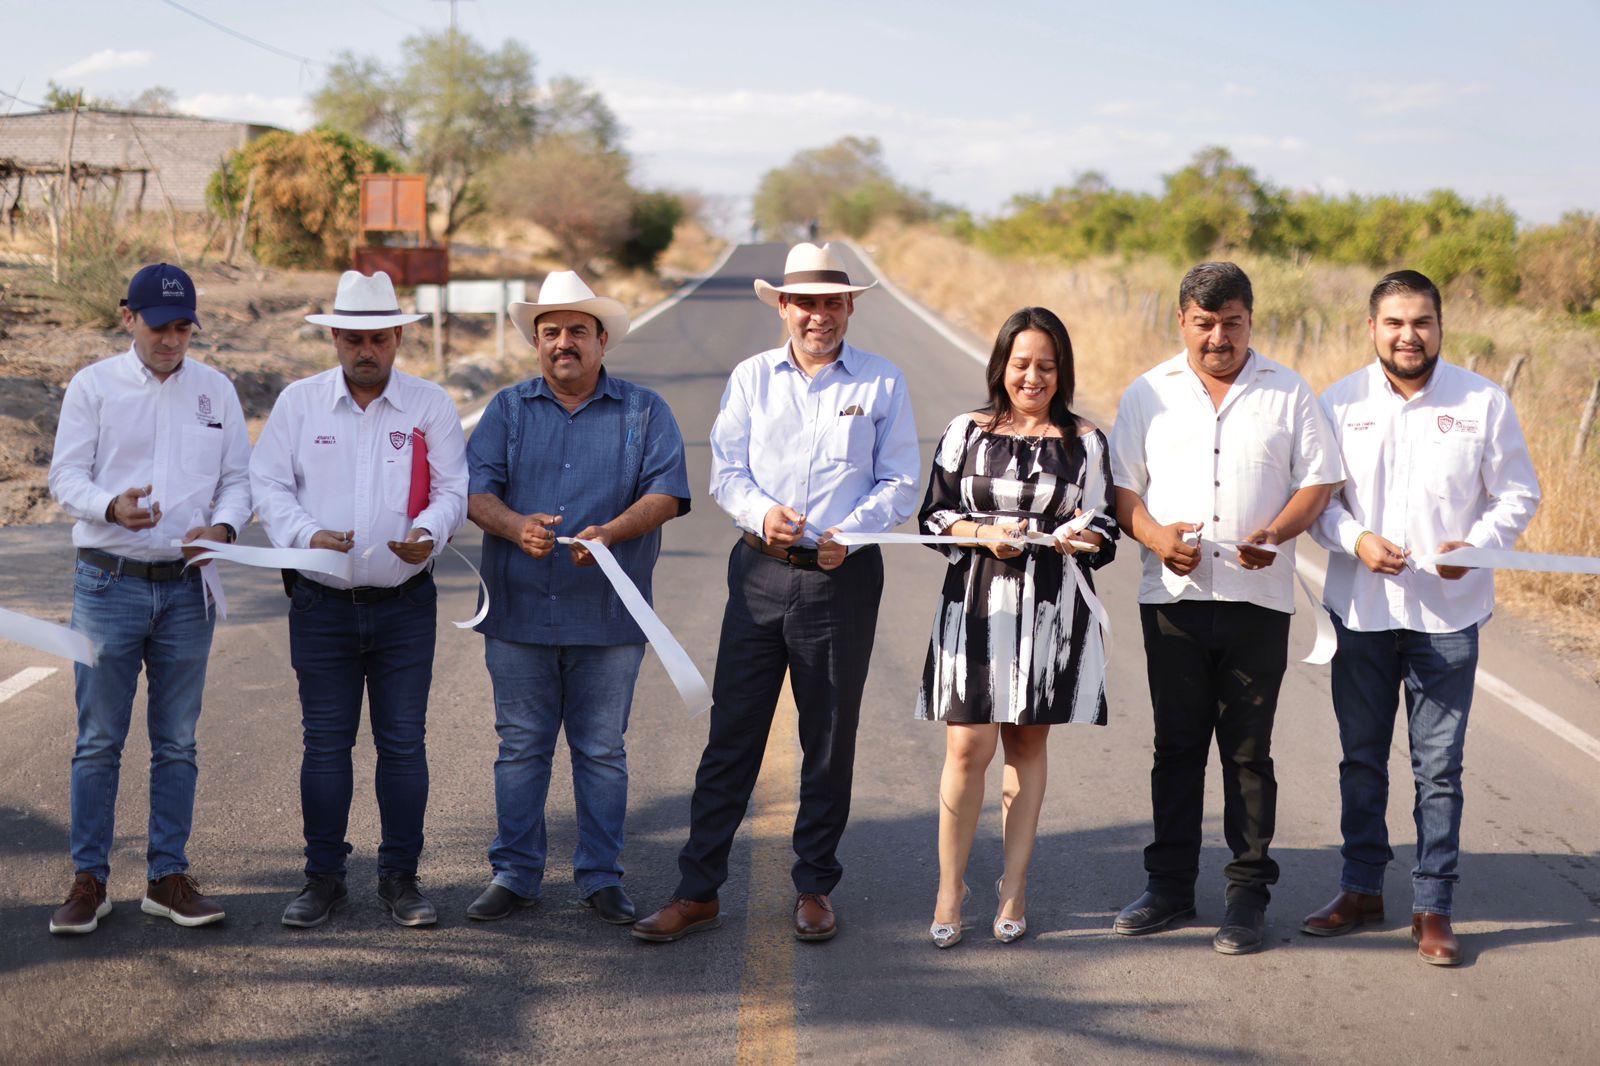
(162, 293)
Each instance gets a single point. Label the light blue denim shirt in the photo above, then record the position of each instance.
(840, 448)
(588, 466)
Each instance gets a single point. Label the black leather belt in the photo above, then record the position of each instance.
(167, 571)
(361, 593)
(804, 558)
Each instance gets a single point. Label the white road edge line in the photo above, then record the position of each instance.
(23, 680)
(468, 421)
(1501, 690)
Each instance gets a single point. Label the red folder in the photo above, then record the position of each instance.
(421, 481)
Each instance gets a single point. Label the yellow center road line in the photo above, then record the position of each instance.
(766, 991)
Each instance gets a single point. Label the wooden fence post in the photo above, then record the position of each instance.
(1586, 423)
(1513, 372)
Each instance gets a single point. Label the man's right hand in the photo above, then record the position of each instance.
(1176, 554)
(1381, 556)
(536, 537)
(126, 512)
(782, 526)
(334, 540)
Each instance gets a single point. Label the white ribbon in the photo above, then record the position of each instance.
(1501, 559)
(680, 668)
(1096, 608)
(210, 578)
(319, 560)
(483, 586)
(47, 637)
(1327, 641)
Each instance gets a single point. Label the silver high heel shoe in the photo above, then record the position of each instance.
(1007, 930)
(946, 934)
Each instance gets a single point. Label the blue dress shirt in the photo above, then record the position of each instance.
(840, 447)
(587, 466)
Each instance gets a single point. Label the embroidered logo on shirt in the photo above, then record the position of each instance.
(1445, 422)
(324, 438)
(398, 439)
(1356, 427)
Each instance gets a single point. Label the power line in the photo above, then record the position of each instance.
(241, 36)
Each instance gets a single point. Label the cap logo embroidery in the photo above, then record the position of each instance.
(171, 287)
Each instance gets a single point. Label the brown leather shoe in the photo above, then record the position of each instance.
(1347, 911)
(679, 918)
(1436, 941)
(176, 896)
(86, 904)
(813, 917)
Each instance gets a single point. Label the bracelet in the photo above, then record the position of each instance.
(1364, 534)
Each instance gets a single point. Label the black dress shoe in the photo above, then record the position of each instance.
(1243, 930)
(1151, 913)
(323, 894)
(406, 904)
(611, 904)
(497, 902)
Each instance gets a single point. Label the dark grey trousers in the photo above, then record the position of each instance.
(818, 626)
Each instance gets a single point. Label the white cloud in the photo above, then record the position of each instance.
(1398, 99)
(105, 60)
(290, 112)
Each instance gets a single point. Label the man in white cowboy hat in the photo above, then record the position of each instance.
(814, 438)
(575, 452)
(334, 469)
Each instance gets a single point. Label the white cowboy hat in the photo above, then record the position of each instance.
(364, 302)
(810, 271)
(563, 290)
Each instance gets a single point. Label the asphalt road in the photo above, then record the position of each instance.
(555, 984)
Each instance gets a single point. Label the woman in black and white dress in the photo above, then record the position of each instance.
(1015, 649)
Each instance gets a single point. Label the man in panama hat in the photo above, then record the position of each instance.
(359, 456)
(814, 438)
(575, 452)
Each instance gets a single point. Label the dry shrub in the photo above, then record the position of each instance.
(1121, 314)
(105, 250)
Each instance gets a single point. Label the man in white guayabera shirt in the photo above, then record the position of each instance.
(151, 448)
(357, 457)
(1435, 460)
(1215, 607)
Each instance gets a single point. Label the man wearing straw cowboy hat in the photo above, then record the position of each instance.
(814, 438)
(334, 468)
(150, 445)
(580, 453)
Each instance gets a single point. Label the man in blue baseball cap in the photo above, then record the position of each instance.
(151, 449)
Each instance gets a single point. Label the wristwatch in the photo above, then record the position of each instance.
(233, 534)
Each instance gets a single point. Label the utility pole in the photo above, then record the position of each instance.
(452, 4)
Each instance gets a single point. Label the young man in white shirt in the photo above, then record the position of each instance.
(151, 448)
(340, 466)
(1435, 460)
(1215, 607)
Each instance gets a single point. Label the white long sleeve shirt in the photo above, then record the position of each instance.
(324, 463)
(840, 447)
(122, 427)
(1269, 439)
(1450, 463)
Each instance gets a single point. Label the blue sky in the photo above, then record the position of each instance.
(973, 101)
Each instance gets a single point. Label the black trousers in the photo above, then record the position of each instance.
(1214, 668)
(817, 626)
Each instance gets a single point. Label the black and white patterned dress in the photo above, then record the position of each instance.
(1013, 641)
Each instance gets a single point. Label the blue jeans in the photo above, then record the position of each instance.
(1436, 672)
(163, 627)
(338, 648)
(538, 688)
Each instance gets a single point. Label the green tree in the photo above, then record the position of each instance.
(1217, 204)
(304, 209)
(568, 107)
(846, 186)
(1560, 264)
(449, 108)
(572, 189)
(652, 223)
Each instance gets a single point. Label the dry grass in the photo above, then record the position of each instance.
(1313, 317)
